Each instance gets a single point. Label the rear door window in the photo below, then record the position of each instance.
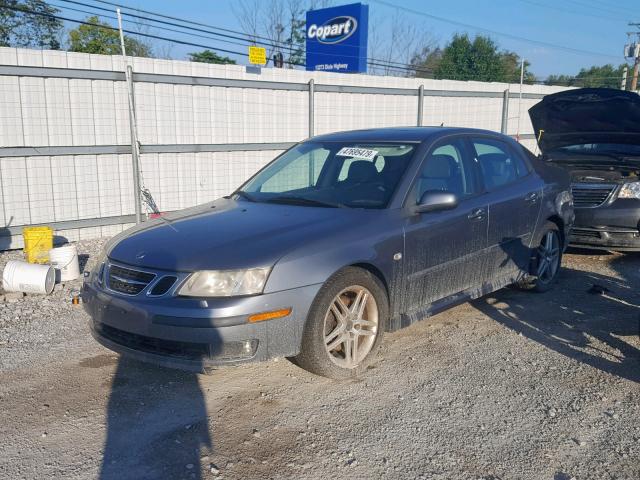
(499, 164)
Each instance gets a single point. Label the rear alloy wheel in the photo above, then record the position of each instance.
(548, 257)
(547, 260)
(345, 325)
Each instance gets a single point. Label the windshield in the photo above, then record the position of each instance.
(332, 174)
(602, 149)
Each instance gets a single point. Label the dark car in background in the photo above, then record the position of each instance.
(594, 134)
(339, 239)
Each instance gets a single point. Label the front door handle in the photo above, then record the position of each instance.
(531, 197)
(477, 214)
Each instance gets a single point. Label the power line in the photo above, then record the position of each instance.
(111, 17)
(178, 19)
(249, 40)
(596, 6)
(268, 43)
(572, 11)
(399, 67)
(291, 49)
(181, 42)
(494, 32)
(157, 37)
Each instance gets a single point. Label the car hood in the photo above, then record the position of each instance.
(586, 115)
(228, 234)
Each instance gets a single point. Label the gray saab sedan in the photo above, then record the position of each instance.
(339, 239)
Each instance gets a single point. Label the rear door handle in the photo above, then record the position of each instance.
(477, 214)
(531, 197)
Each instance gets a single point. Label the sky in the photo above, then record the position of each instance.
(571, 34)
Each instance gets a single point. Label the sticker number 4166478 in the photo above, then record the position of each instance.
(354, 152)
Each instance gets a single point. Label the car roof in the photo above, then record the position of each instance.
(398, 134)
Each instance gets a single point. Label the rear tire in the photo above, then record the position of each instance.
(546, 261)
(345, 325)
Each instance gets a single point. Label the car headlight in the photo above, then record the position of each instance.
(630, 190)
(225, 283)
(563, 198)
(95, 263)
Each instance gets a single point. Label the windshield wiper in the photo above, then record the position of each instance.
(285, 199)
(245, 195)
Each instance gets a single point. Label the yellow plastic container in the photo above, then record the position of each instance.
(37, 243)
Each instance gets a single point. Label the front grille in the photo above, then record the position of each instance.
(579, 232)
(590, 195)
(163, 285)
(158, 346)
(128, 281)
(230, 351)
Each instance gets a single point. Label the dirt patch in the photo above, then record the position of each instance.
(512, 385)
(99, 361)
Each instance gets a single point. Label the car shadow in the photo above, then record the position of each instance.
(156, 422)
(587, 316)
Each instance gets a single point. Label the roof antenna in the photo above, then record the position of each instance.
(442, 124)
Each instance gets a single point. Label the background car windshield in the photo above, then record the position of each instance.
(596, 148)
(356, 175)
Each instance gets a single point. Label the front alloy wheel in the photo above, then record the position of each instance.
(351, 326)
(344, 325)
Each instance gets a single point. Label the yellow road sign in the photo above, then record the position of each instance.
(258, 55)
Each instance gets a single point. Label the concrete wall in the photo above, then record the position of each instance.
(47, 186)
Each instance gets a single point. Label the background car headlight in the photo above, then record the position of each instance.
(95, 264)
(225, 283)
(630, 190)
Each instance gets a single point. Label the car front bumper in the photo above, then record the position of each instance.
(615, 226)
(197, 334)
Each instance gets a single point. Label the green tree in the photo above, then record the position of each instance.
(426, 61)
(99, 37)
(297, 35)
(480, 60)
(19, 28)
(605, 76)
(207, 56)
(511, 63)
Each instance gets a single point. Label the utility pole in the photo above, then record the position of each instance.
(633, 51)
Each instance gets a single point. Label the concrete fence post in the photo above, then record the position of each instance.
(420, 104)
(505, 112)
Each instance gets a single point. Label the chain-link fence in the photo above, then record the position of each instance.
(65, 145)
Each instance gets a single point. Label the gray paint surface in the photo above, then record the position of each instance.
(446, 256)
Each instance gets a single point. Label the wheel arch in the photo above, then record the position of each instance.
(375, 271)
(561, 227)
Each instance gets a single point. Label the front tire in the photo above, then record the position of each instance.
(345, 325)
(547, 259)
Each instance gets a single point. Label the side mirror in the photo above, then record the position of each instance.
(435, 201)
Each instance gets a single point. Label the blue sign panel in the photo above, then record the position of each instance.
(337, 38)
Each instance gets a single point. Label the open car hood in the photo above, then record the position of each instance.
(586, 115)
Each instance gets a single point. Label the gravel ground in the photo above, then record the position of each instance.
(511, 386)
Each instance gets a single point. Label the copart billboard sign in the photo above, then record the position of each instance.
(337, 38)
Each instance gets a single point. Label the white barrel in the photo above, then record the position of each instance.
(65, 261)
(19, 276)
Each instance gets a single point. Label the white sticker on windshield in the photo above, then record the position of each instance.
(354, 152)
